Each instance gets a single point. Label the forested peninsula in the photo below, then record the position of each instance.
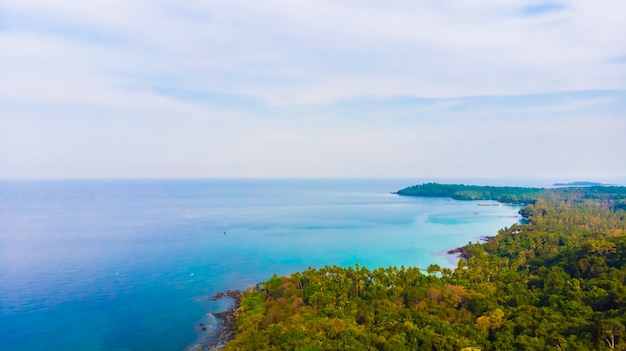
(555, 282)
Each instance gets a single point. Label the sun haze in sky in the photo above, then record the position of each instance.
(477, 88)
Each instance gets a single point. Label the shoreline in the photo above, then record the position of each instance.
(461, 252)
(227, 325)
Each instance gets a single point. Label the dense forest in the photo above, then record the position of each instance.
(553, 283)
(517, 195)
(514, 195)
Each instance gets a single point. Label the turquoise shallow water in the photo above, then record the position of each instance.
(128, 264)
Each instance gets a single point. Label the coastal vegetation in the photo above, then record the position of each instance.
(515, 195)
(555, 282)
(580, 184)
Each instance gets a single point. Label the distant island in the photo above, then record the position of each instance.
(555, 282)
(512, 195)
(580, 184)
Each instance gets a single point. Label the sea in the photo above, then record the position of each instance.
(96, 265)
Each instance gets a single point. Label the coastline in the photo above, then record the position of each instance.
(461, 252)
(479, 272)
(227, 325)
(226, 329)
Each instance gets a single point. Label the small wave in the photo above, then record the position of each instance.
(207, 329)
(211, 320)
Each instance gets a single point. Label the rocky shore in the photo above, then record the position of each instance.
(228, 321)
(462, 252)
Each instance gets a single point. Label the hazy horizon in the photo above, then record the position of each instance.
(400, 182)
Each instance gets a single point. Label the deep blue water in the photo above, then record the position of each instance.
(128, 264)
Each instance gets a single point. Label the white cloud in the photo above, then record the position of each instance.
(304, 65)
(290, 51)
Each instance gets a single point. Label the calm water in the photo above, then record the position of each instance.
(127, 265)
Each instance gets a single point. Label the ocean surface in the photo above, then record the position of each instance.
(97, 265)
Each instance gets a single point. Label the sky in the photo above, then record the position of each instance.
(324, 88)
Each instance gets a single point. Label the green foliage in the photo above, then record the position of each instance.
(614, 196)
(515, 195)
(553, 283)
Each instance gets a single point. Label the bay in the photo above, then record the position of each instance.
(129, 264)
